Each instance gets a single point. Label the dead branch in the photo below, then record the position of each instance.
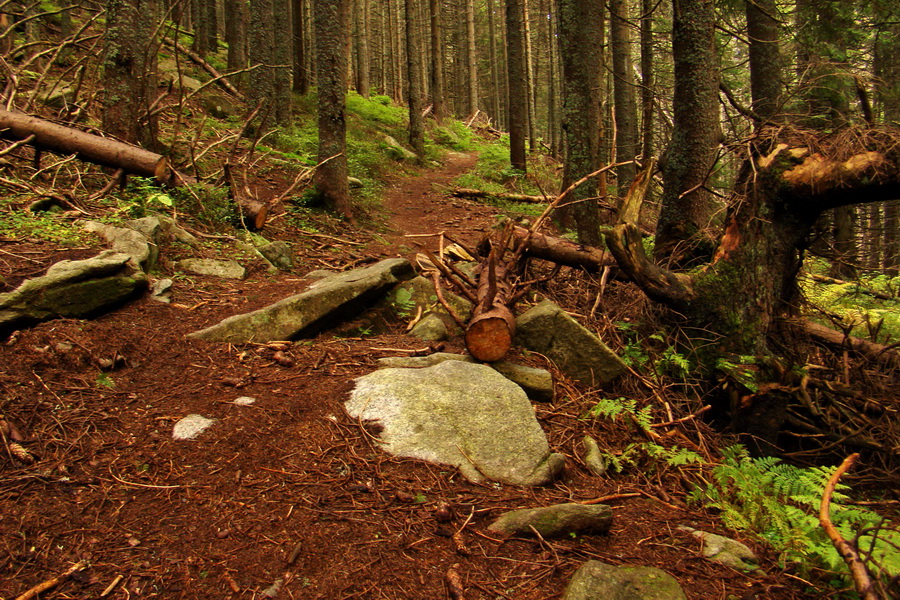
(878, 352)
(857, 287)
(473, 193)
(858, 572)
(218, 77)
(53, 582)
(253, 212)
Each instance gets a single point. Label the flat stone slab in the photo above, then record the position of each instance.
(127, 241)
(547, 329)
(595, 580)
(725, 551)
(555, 521)
(461, 414)
(326, 302)
(73, 289)
(226, 269)
(189, 427)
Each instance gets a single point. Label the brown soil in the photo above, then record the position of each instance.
(289, 489)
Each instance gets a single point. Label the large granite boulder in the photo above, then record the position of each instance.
(74, 289)
(595, 580)
(126, 241)
(549, 330)
(461, 414)
(326, 302)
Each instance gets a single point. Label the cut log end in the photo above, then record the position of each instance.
(161, 171)
(489, 339)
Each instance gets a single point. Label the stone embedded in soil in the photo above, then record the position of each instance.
(72, 289)
(244, 401)
(326, 302)
(549, 330)
(555, 521)
(127, 241)
(430, 329)
(226, 269)
(191, 426)
(461, 414)
(278, 254)
(593, 457)
(597, 580)
(725, 551)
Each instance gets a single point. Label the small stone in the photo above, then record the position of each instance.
(105, 363)
(191, 426)
(283, 359)
(443, 513)
(593, 457)
(431, 328)
(725, 551)
(244, 401)
(63, 347)
(557, 520)
(226, 269)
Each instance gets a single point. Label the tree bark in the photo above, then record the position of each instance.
(495, 76)
(564, 252)
(331, 20)
(437, 60)
(471, 58)
(235, 36)
(282, 58)
(766, 70)
(624, 95)
(515, 64)
(687, 205)
(261, 55)
(301, 79)
(647, 99)
(581, 43)
(414, 89)
(253, 212)
(491, 329)
(88, 147)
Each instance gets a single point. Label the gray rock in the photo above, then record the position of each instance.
(595, 580)
(326, 301)
(74, 289)
(168, 70)
(58, 98)
(420, 362)
(279, 254)
(547, 329)
(406, 299)
(725, 551)
(354, 183)
(397, 151)
(170, 227)
(319, 274)
(149, 227)
(226, 269)
(461, 414)
(127, 241)
(191, 426)
(430, 328)
(219, 106)
(593, 457)
(244, 401)
(554, 521)
(537, 383)
(160, 289)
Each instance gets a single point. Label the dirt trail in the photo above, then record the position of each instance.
(288, 489)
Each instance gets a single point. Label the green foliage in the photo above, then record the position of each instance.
(402, 302)
(627, 407)
(650, 456)
(779, 504)
(211, 206)
(454, 135)
(376, 109)
(143, 196)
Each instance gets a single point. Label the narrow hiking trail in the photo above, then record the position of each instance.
(288, 496)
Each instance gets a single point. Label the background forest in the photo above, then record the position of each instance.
(721, 180)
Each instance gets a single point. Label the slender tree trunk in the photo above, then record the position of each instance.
(235, 35)
(200, 20)
(129, 71)
(581, 42)
(495, 75)
(887, 77)
(647, 93)
(529, 76)
(212, 27)
(301, 80)
(437, 59)
(624, 94)
(552, 110)
(843, 265)
(766, 70)
(282, 57)
(687, 206)
(332, 27)
(361, 43)
(518, 90)
(414, 90)
(261, 46)
(471, 58)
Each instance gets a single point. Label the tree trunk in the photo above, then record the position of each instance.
(437, 60)
(495, 75)
(687, 205)
(200, 23)
(301, 79)
(529, 77)
(91, 148)
(581, 43)
(471, 58)
(261, 37)
(515, 64)
(491, 329)
(331, 20)
(282, 57)
(235, 36)
(843, 264)
(129, 71)
(564, 252)
(414, 89)
(647, 92)
(624, 94)
(766, 70)
(212, 27)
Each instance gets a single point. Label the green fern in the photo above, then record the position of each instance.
(779, 503)
(613, 409)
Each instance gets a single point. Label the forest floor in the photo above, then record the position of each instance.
(290, 489)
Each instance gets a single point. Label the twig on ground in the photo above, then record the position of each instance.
(53, 582)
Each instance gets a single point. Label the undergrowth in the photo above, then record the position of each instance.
(779, 503)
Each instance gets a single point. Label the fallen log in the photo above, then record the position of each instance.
(473, 193)
(563, 252)
(857, 288)
(253, 212)
(878, 352)
(64, 140)
(492, 327)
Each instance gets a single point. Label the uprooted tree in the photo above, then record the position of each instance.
(747, 295)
